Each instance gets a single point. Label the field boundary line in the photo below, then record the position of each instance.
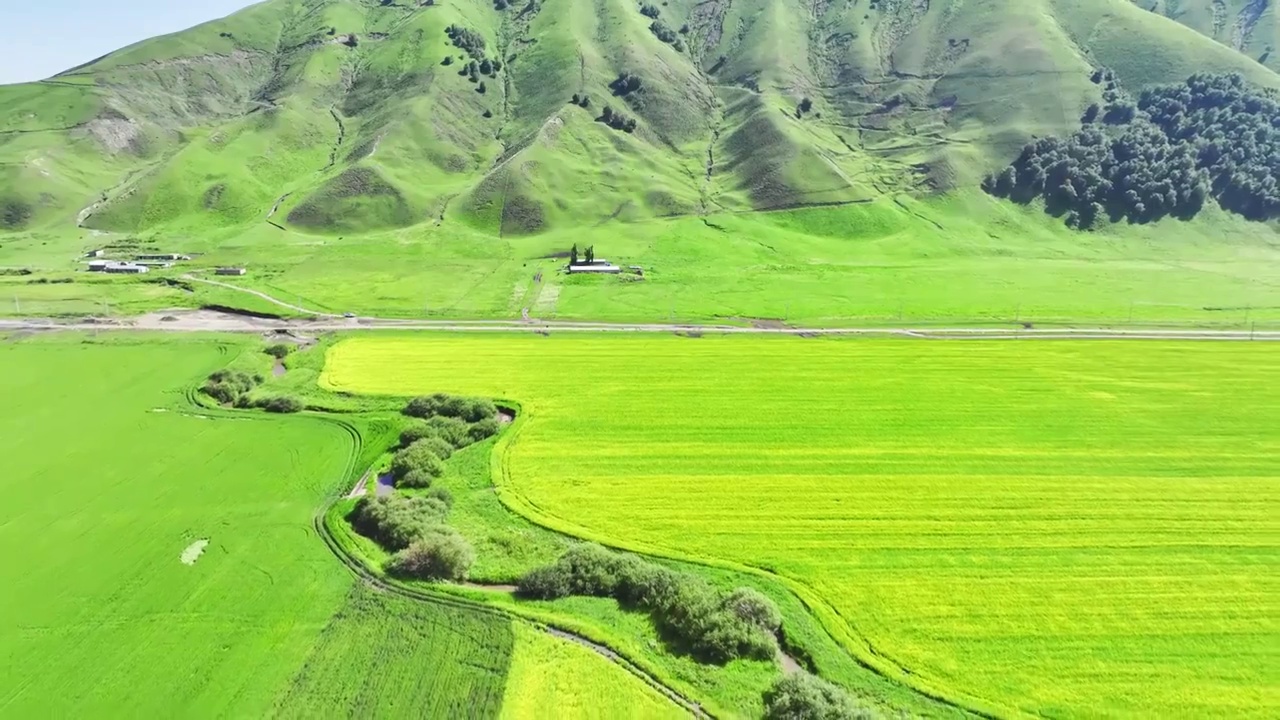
(836, 626)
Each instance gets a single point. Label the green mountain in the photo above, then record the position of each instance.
(349, 116)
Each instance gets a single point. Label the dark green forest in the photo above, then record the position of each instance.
(1167, 154)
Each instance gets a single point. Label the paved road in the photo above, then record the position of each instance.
(210, 321)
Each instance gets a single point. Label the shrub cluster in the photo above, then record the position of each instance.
(711, 625)
(231, 387)
(418, 465)
(440, 554)
(396, 521)
(666, 35)
(451, 406)
(1213, 136)
(649, 11)
(582, 101)
(427, 548)
(281, 404)
(278, 351)
(14, 213)
(617, 120)
(467, 40)
(801, 696)
(625, 84)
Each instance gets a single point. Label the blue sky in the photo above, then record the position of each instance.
(45, 37)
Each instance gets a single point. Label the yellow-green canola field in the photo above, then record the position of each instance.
(554, 677)
(1080, 528)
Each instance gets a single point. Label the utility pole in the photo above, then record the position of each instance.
(17, 306)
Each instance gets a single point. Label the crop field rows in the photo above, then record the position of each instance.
(1024, 527)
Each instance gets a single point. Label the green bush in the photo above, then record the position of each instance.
(418, 458)
(454, 431)
(282, 404)
(801, 696)
(483, 430)
(228, 386)
(712, 626)
(753, 607)
(416, 432)
(396, 521)
(441, 554)
(278, 351)
(550, 582)
(417, 479)
(441, 494)
(437, 445)
(220, 392)
(454, 406)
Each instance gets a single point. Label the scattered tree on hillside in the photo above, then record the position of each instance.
(573, 254)
(617, 120)
(14, 213)
(486, 67)
(1212, 136)
(649, 11)
(448, 60)
(666, 35)
(466, 39)
(625, 84)
(591, 254)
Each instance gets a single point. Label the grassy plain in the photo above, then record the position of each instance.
(1040, 528)
(962, 259)
(552, 677)
(106, 483)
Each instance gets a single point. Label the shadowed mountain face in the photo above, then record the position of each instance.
(356, 115)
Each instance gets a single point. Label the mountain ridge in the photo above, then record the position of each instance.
(341, 116)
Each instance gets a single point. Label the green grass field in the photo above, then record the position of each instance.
(387, 656)
(107, 484)
(1027, 528)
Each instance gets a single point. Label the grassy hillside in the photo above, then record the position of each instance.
(1249, 26)
(349, 116)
